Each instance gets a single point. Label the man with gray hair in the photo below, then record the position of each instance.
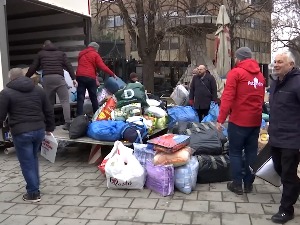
(89, 61)
(30, 116)
(284, 132)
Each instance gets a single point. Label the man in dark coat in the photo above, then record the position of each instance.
(284, 132)
(53, 62)
(30, 115)
(203, 90)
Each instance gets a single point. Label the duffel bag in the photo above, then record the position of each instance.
(134, 132)
(78, 127)
(213, 168)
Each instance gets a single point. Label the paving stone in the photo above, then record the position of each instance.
(71, 175)
(50, 199)
(169, 204)
(91, 183)
(138, 193)
(261, 219)
(201, 218)
(12, 187)
(89, 176)
(95, 201)
(44, 210)
(20, 209)
(177, 217)
(70, 212)
(144, 203)
(267, 189)
(94, 191)
(218, 187)
(156, 195)
(119, 203)
(202, 187)
(114, 193)
(122, 214)
(71, 182)
(277, 198)
(258, 181)
(73, 222)
(270, 209)
(72, 190)
(232, 197)
(295, 221)
(17, 219)
(71, 200)
(209, 196)
(52, 182)
(52, 189)
(41, 220)
(197, 206)
(260, 198)
(250, 208)
(130, 223)
(14, 180)
(54, 175)
(69, 169)
(179, 195)
(5, 205)
(102, 222)
(3, 217)
(53, 169)
(72, 164)
(149, 215)
(226, 207)
(95, 213)
(8, 196)
(235, 219)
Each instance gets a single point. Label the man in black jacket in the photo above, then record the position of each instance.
(53, 62)
(30, 115)
(203, 90)
(284, 132)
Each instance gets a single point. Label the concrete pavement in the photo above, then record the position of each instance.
(75, 193)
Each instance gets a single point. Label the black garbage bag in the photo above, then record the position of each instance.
(79, 126)
(205, 138)
(213, 168)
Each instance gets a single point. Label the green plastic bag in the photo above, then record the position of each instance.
(132, 93)
(161, 122)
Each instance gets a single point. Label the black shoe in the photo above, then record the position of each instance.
(248, 188)
(66, 126)
(32, 197)
(235, 188)
(281, 217)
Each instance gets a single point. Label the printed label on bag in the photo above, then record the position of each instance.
(47, 145)
(117, 183)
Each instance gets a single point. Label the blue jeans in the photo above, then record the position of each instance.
(242, 138)
(27, 146)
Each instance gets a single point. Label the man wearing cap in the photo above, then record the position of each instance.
(242, 100)
(89, 61)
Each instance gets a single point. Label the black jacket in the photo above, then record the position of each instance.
(51, 61)
(203, 90)
(27, 107)
(284, 128)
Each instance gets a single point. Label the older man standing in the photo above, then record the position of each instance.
(203, 90)
(284, 132)
(30, 115)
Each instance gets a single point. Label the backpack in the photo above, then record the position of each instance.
(134, 133)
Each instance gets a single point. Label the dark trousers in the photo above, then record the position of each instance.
(86, 83)
(242, 138)
(286, 164)
(202, 113)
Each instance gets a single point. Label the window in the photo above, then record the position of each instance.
(174, 43)
(256, 46)
(252, 23)
(264, 25)
(118, 21)
(256, 23)
(164, 45)
(242, 42)
(110, 23)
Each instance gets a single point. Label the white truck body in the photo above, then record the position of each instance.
(26, 24)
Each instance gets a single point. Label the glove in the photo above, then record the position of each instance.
(191, 102)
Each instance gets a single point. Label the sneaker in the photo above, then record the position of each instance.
(235, 188)
(66, 126)
(281, 217)
(32, 197)
(248, 188)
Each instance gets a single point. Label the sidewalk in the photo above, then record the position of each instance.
(75, 193)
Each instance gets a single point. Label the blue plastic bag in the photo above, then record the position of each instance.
(182, 113)
(106, 130)
(212, 114)
(114, 84)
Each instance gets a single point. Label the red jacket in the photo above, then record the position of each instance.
(243, 96)
(88, 61)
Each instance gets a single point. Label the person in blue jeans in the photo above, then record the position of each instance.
(30, 117)
(242, 100)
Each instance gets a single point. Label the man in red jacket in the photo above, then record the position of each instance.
(242, 100)
(88, 62)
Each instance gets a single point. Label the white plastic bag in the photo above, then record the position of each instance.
(156, 111)
(123, 171)
(180, 95)
(49, 148)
